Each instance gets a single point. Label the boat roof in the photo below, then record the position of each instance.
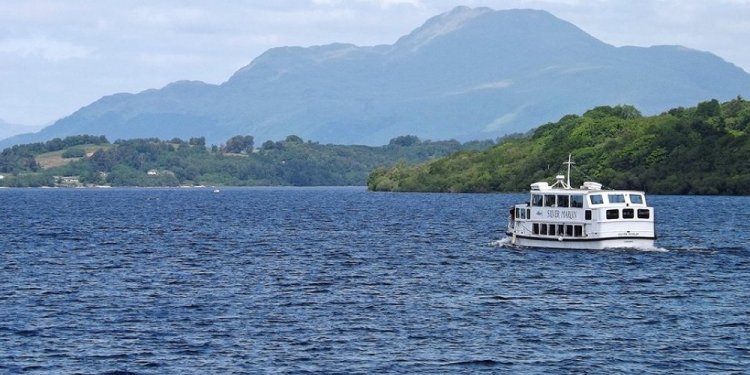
(562, 185)
(587, 188)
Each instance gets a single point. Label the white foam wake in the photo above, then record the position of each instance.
(503, 242)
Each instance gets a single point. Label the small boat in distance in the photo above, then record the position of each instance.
(559, 216)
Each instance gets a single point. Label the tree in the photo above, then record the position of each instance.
(294, 139)
(625, 112)
(199, 141)
(709, 108)
(75, 152)
(405, 141)
(269, 145)
(239, 144)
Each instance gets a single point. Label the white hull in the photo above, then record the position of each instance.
(588, 244)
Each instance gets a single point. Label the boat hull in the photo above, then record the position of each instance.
(584, 244)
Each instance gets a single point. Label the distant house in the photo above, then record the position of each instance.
(67, 180)
(156, 172)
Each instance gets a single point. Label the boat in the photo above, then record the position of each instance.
(589, 217)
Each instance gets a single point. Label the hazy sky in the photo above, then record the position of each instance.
(57, 56)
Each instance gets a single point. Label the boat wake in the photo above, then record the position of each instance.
(507, 242)
(655, 249)
(503, 242)
(703, 249)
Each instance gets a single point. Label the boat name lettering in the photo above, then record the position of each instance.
(628, 234)
(561, 214)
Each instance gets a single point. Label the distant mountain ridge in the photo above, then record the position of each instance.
(8, 129)
(466, 74)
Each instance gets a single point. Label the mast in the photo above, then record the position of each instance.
(569, 163)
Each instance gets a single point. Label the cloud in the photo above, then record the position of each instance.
(502, 121)
(383, 4)
(497, 85)
(390, 3)
(45, 47)
(168, 16)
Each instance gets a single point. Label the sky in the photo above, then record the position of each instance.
(58, 56)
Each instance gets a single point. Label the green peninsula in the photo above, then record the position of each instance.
(700, 150)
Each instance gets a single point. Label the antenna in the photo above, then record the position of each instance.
(569, 163)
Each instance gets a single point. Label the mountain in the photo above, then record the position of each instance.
(7, 129)
(466, 74)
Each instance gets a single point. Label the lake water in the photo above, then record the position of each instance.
(340, 280)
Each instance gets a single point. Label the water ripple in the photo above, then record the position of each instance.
(338, 280)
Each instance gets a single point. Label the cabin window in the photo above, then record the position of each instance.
(563, 201)
(576, 201)
(549, 200)
(588, 214)
(578, 231)
(613, 214)
(628, 213)
(535, 228)
(536, 200)
(643, 213)
(543, 229)
(616, 198)
(596, 199)
(528, 213)
(560, 230)
(569, 230)
(636, 199)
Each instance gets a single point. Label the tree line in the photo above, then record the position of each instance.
(92, 160)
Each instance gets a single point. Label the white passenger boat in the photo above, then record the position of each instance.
(560, 216)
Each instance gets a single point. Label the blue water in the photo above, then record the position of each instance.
(340, 280)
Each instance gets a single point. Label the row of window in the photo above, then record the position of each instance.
(613, 214)
(559, 230)
(557, 200)
(522, 213)
(616, 198)
(576, 200)
(628, 213)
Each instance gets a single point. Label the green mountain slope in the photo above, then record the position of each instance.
(699, 150)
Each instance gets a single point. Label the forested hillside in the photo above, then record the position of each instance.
(699, 150)
(88, 160)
